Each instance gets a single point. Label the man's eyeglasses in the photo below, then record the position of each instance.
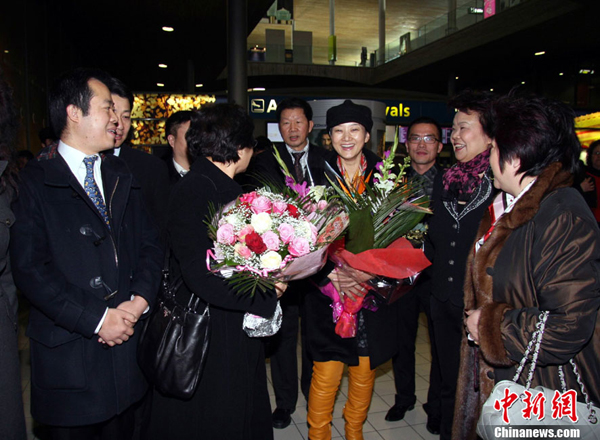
(428, 139)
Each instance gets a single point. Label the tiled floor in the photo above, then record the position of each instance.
(375, 428)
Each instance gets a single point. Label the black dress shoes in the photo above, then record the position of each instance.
(282, 418)
(433, 425)
(397, 412)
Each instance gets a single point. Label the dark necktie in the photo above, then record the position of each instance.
(298, 166)
(92, 190)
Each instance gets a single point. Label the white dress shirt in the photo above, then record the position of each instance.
(303, 161)
(182, 171)
(74, 159)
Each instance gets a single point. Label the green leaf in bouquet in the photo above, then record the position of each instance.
(396, 217)
(360, 236)
(247, 282)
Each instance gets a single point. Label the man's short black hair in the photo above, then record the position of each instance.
(219, 131)
(72, 88)
(175, 120)
(426, 120)
(289, 103)
(117, 87)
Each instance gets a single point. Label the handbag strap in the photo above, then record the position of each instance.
(535, 343)
(592, 418)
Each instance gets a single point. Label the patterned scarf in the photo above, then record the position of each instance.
(463, 177)
(356, 181)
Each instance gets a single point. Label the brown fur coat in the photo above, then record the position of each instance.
(516, 289)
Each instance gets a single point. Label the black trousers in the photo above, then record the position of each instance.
(281, 348)
(448, 330)
(409, 307)
(119, 427)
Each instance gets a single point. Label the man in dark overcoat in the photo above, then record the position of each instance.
(87, 256)
(307, 163)
(150, 172)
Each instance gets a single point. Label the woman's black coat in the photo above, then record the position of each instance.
(231, 401)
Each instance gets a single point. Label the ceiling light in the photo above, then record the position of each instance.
(6, 51)
(162, 66)
(160, 84)
(522, 82)
(456, 77)
(199, 85)
(168, 29)
(560, 74)
(258, 89)
(543, 52)
(491, 90)
(586, 72)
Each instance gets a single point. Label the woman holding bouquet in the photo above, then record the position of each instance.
(460, 197)
(349, 125)
(231, 401)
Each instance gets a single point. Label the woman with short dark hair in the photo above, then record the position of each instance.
(541, 254)
(460, 196)
(231, 401)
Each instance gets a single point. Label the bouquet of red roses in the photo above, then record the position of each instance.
(264, 237)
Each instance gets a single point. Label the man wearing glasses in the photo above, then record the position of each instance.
(423, 144)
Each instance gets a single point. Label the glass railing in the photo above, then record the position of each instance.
(464, 16)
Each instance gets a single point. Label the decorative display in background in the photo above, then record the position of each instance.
(151, 110)
(588, 128)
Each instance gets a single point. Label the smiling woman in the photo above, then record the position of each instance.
(349, 125)
(459, 199)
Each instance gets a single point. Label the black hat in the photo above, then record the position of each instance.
(349, 112)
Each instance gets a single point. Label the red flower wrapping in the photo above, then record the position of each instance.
(255, 243)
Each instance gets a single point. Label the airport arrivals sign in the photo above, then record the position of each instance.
(396, 112)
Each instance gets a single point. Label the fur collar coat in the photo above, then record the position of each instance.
(542, 255)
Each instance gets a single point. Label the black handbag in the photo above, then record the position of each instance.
(174, 342)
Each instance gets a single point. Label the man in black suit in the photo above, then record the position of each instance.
(178, 162)
(307, 163)
(86, 253)
(423, 144)
(149, 171)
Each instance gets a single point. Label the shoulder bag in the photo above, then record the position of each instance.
(492, 418)
(174, 342)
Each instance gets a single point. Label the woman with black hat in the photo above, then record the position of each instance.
(349, 126)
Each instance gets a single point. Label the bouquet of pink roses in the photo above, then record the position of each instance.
(264, 237)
